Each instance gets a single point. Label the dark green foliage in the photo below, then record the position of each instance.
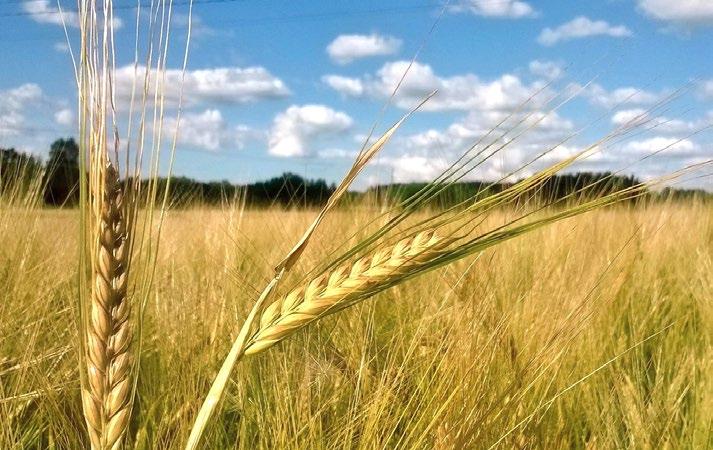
(62, 175)
(16, 167)
(286, 190)
(447, 196)
(578, 186)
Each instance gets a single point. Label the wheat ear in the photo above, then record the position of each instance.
(347, 284)
(106, 398)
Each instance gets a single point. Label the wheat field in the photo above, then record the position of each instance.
(594, 332)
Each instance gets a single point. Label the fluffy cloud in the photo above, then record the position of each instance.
(13, 104)
(581, 27)
(46, 11)
(640, 117)
(408, 167)
(686, 12)
(227, 85)
(64, 117)
(352, 87)
(671, 147)
(511, 9)
(599, 96)
(294, 129)
(349, 47)
(459, 92)
(549, 70)
(423, 155)
(209, 131)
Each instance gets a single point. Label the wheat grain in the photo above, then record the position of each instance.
(106, 398)
(343, 286)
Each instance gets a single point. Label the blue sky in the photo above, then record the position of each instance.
(297, 85)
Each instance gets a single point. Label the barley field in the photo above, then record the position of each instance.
(536, 273)
(594, 332)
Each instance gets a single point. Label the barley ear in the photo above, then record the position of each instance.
(333, 291)
(107, 395)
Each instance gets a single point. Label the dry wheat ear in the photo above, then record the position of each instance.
(106, 397)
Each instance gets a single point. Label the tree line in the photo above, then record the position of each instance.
(61, 180)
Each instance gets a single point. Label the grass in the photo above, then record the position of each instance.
(594, 332)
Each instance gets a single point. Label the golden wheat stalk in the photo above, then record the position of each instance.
(343, 286)
(106, 396)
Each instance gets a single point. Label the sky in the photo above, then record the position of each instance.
(274, 86)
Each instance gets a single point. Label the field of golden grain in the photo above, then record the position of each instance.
(594, 332)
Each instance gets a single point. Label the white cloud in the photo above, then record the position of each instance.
(349, 47)
(686, 12)
(407, 168)
(13, 103)
(209, 131)
(629, 117)
(294, 129)
(706, 88)
(330, 153)
(198, 26)
(581, 27)
(46, 11)
(64, 117)
(660, 124)
(668, 146)
(351, 87)
(549, 70)
(599, 96)
(61, 46)
(227, 85)
(425, 154)
(511, 9)
(459, 92)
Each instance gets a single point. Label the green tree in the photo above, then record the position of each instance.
(62, 184)
(17, 170)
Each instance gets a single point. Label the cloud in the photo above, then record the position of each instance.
(509, 9)
(526, 134)
(13, 103)
(349, 47)
(671, 147)
(423, 155)
(64, 117)
(549, 70)
(408, 168)
(294, 129)
(682, 12)
(46, 11)
(351, 87)
(219, 85)
(459, 92)
(706, 89)
(198, 26)
(581, 27)
(426, 154)
(61, 47)
(659, 124)
(599, 96)
(209, 131)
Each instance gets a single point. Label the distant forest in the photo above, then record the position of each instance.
(61, 178)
